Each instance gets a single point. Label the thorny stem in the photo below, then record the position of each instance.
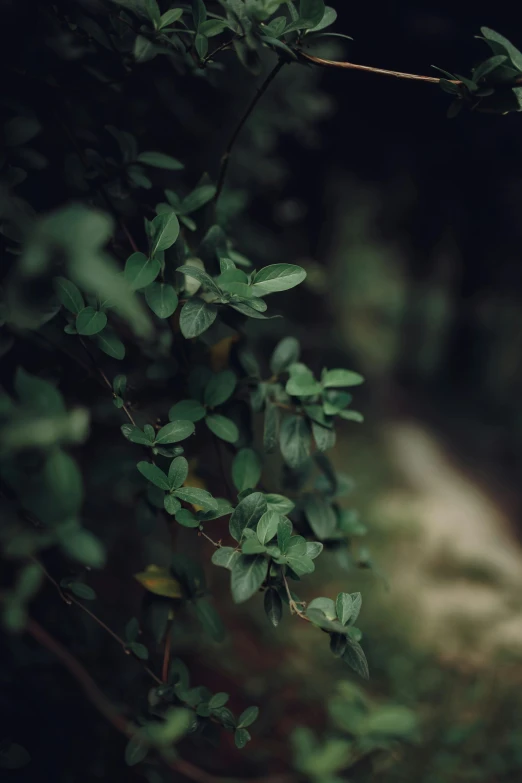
(239, 127)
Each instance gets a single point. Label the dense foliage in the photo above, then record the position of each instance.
(147, 427)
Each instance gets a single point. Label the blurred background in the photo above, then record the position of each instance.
(409, 227)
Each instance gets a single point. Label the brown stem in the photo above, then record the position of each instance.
(107, 382)
(251, 106)
(294, 608)
(93, 693)
(166, 654)
(369, 69)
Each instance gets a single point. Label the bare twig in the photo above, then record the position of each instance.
(369, 69)
(250, 108)
(294, 605)
(106, 381)
(93, 693)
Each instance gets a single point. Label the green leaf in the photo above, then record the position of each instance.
(110, 343)
(252, 547)
(247, 514)
(211, 622)
(344, 607)
(241, 737)
(213, 27)
(201, 44)
(273, 606)
(356, 607)
(285, 353)
(199, 13)
(132, 630)
(300, 564)
(69, 295)
(189, 410)
(196, 317)
(218, 700)
(246, 469)
(169, 17)
(279, 503)
(225, 556)
(271, 427)
(329, 17)
(135, 435)
(335, 401)
(20, 130)
(302, 382)
(37, 395)
(165, 231)
(350, 415)
(171, 505)
(197, 199)
(186, 518)
(355, 658)
(139, 650)
(136, 751)
(337, 644)
(312, 11)
(64, 481)
(119, 384)
(162, 299)
(152, 8)
(248, 717)
(513, 53)
(178, 472)
(160, 161)
(84, 547)
(313, 549)
(320, 516)
(338, 378)
(325, 605)
(223, 427)
(284, 534)
(154, 474)
(247, 576)
(267, 526)
(197, 497)
(277, 277)
(219, 388)
(323, 436)
(90, 321)
(141, 271)
(175, 431)
(191, 270)
(295, 441)
(81, 590)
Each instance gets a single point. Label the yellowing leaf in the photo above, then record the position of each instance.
(159, 581)
(220, 353)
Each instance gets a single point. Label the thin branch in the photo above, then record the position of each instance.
(294, 605)
(369, 69)
(93, 693)
(106, 380)
(166, 654)
(121, 724)
(250, 108)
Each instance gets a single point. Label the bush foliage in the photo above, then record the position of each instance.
(142, 413)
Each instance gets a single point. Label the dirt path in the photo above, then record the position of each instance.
(463, 566)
